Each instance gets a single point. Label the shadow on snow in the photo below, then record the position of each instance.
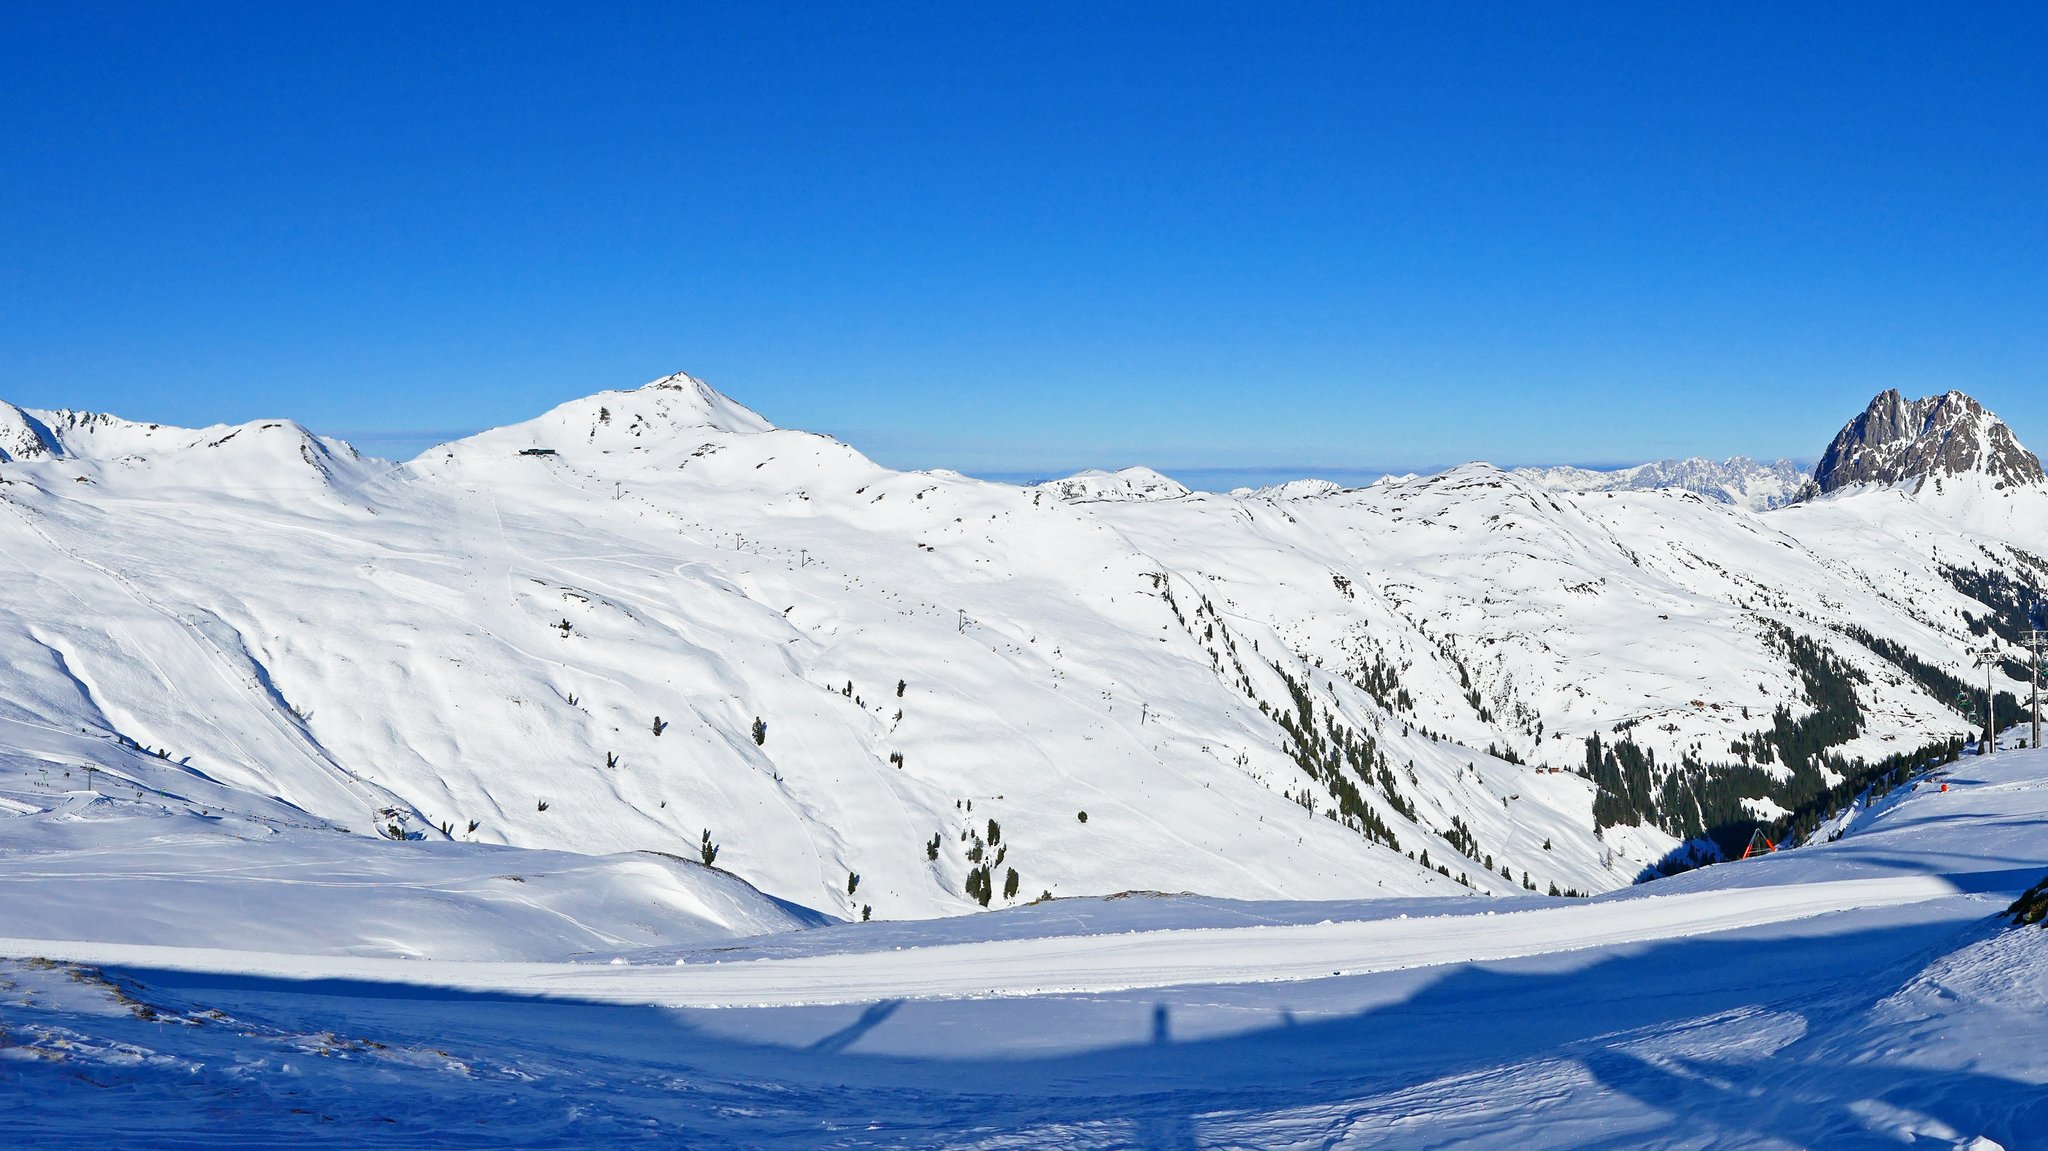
(299, 1060)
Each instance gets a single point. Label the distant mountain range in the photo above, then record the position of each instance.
(1738, 480)
(1895, 441)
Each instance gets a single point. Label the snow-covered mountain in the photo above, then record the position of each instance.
(651, 620)
(1738, 480)
(265, 454)
(1137, 483)
(1909, 442)
(1305, 489)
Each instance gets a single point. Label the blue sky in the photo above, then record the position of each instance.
(1031, 238)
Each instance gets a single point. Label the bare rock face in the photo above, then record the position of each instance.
(1900, 441)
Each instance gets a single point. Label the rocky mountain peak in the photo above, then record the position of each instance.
(1899, 441)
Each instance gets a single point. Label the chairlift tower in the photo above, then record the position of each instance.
(2037, 641)
(1987, 659)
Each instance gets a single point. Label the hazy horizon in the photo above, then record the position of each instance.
(1198, 477)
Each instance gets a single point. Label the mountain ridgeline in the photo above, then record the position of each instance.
(1895, 442)
(651, 620)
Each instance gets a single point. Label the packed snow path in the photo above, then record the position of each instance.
(1861, 993)
(1087, 964)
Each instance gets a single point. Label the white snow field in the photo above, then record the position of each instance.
(1860, 992)
(642, 773)
(499, 624)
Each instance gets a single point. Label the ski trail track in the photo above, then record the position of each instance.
(1068, 966)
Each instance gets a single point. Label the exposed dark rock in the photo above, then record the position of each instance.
(1901, 441)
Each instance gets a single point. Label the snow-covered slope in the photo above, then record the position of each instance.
(1860, 992)
(113, 867)
(650, 620)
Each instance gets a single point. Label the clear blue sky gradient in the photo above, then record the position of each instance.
(1037, 237)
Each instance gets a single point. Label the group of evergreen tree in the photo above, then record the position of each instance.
(1694, 799)
(978, 886)
(1382, 681)
(2007, 708)
(2015, 604)
(1332, 755)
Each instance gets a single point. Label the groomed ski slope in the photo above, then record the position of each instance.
(1084, 964)
(1846, 994)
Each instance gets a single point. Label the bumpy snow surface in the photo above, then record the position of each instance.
(1859, 992)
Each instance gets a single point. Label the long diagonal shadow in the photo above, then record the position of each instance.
(850, 1034)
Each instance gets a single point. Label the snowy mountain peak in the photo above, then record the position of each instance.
(684, 399)
(650, 423)
(1896, 441)
(31, 434)
(1135, 484)
(1304, 489)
